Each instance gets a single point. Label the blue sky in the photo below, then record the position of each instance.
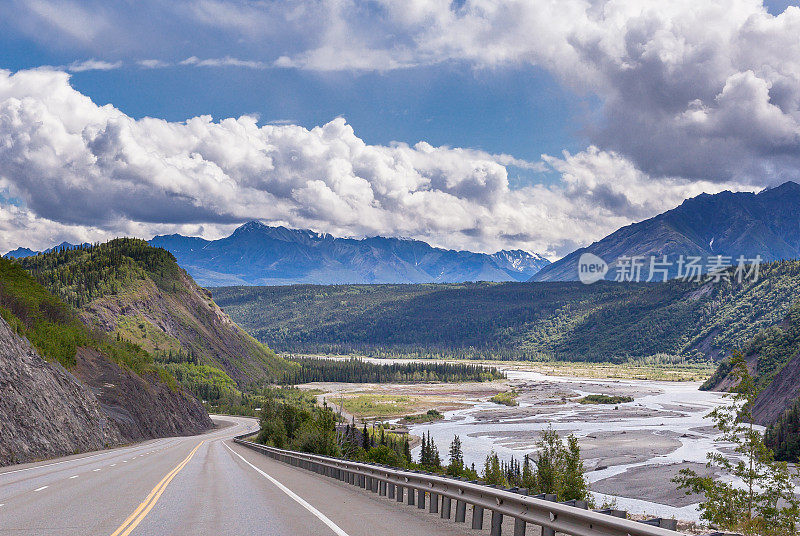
(522, 112)
(544, 125)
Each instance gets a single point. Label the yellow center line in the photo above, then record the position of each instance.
(152, 498)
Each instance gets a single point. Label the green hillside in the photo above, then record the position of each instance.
(54, 328)
(139, 294)
(606, 321)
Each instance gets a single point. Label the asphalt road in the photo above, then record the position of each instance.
(191, 486)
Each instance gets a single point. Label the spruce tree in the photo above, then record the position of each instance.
(456, 466)
(365, 441)
(436, 461)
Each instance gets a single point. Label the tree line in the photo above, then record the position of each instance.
(360, 371)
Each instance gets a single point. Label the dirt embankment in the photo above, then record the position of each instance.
(140, 409)
(779, 395)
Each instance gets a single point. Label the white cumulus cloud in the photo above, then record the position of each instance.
(79, 171)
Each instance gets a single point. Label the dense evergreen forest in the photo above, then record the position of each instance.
(360, 371)
(81, 274)
(605, 321)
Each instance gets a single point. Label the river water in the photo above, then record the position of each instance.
(673, 409)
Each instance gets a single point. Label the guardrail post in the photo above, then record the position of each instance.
(546, 531)
(477, 517)
(519, 524)
(497, 523)
(461, 511)
(390, 488)
(433, 507)
(445, 507)
(661, 522)
(421, 499)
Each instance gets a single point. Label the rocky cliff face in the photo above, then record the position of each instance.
(779, 395)
(46, 411)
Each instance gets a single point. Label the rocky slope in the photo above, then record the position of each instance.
(728, 224)
(773, 358)
(44, 410)
(65, 389)
(257, 254)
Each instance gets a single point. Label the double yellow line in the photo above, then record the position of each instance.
(141, 512)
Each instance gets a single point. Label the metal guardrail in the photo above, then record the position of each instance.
(571, 518)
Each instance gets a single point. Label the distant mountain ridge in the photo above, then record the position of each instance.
(258, 254)
(728, 224)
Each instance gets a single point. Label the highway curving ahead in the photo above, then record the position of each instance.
(193, 486)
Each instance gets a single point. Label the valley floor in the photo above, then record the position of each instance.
(630, 450)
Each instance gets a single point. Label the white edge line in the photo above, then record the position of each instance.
(73, 476)
(322, 517)
(40, 489)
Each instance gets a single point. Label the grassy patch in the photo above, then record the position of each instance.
(377, 405)
(677, 372)
(509, 398)
(605, 399)
(152, 339)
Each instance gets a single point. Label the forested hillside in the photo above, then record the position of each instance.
(139, 294)
(565, 320)
(122, 395)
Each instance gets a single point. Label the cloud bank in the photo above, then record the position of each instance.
(695, 96)
(705, 90)
(70, 169)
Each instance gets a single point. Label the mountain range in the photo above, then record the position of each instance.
(728, 224)
(258, 254)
